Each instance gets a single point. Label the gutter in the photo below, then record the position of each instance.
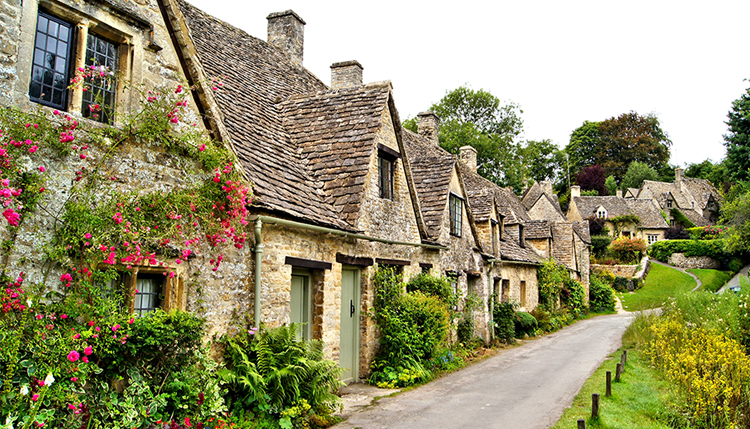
(536, 264)
(259, 219)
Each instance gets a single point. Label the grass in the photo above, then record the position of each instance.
(661, 283)
(637, 400)
(712, 280)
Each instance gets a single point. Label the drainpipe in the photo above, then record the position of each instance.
(258, 261)
(492, 301)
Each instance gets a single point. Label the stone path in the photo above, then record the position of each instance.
(735, 281)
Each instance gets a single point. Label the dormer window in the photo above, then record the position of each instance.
(669, 203)
(387, 158)
(601, 213)
(456, 214)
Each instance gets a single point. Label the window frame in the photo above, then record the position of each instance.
(385, 177)
(106, 111)
(652, 238)
(455, 213)
(171, 290)
(68, 67)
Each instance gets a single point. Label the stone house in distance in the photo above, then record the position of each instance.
(340, 187)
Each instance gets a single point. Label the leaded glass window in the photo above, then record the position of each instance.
(51, 64)
(101, 93)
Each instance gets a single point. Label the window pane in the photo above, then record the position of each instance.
(35, 90)
(39, 57)
(64, 33)
(52, 29)
(48, 77)
(57, 96)
(41, 41)
(51, 44)
(60, 65)
(62, 50)
(41, 24)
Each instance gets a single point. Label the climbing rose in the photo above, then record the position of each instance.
(11, 216)
(73, 356)
(88, 350)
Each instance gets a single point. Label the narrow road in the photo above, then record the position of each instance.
(526, 387)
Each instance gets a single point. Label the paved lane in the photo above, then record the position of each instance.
(526, 387)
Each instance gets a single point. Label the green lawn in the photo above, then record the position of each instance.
(661, 283)
(635, 403)
(712, 280)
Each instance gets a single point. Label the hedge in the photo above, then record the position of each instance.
(599, 244)
(662, 250)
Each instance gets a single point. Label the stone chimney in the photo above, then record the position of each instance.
(286, 32)
(428, 125)
(469, 157)
(546, 187)
(575, 191)
(678, 174)
(347, 74)
(619, 193)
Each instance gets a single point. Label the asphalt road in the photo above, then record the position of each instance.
(525, 387)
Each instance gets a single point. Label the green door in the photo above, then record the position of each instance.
(349, 351)
(301, 302)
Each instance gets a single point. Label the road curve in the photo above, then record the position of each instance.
(525, 387)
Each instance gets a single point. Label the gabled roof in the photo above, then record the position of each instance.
(260, 77)
(334, 132)
(511, 251)
(702, 191)
(506, 202)
(648, 213)
(588, 206)
(663, 191)
(533, 194)
(432, 168)
(632, 192)
(537, 229)
(582, 229)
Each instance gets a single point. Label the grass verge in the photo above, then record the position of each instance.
(661, 283)
(637, 400)
(712, 280)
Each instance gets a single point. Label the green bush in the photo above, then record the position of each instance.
(438, 287)
(627, 250)
(503, 315)
(620, 284)
(573, 296)
(662, 250)
(551, 279)
(599, 245)
(601, 296)
(525, 324)
(272, 372)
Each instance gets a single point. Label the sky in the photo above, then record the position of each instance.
(563, 62)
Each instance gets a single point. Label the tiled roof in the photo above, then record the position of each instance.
(530, 195)
(506, 201)
(582, 229)
(632, 192)
(432, 168)
(702, 190)
(259, 77)
(334, 132)
(511, 251)
(662, 190)
(695, 217)
(648, 213)
(587, 206)
(535, 229)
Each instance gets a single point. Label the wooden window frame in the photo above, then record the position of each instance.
(455, 210)
(40, 63)
(172, 290)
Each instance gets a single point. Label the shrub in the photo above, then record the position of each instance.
(525, 324)
(677, 233)
(271, 371)
(626, 249)
(681, 219)
(596, 226)
(599, 244)
(573, 295)
(438, 287)
(620, 284)
(662, 250)
(503, 315)
(551, 278)
(710, 232)
(601, 296)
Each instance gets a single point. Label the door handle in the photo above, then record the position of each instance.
(351, 308)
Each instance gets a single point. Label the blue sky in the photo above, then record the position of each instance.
(562, 62)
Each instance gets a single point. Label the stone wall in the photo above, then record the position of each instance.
(543, 209)
(627, 271)
(517, 273)
(682, 261)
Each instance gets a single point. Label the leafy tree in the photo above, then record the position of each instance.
(542, 160)
(632, 137)
(737, 140)
(637, 173)
(479, 119)
(592, 178)
(736, 216)
(716, 173)
(583, 145)
(611, 184)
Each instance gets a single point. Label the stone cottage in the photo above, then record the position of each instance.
(340, 188)
(697, 199)
(650, 227)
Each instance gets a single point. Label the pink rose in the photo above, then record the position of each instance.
(73, 356)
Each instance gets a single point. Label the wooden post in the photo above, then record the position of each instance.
(581, 424)
(609, 384)
(624, 359)
(595, 405)
(618, 372)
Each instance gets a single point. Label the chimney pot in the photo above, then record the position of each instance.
(469, 157)
(619, 193)
(286, 32)
(347, 74)
(575, 191)
(428, 125)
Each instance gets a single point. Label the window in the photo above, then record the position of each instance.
(652, 238)
(452, 277)
(51, 66)
(146, 289)
(669, 203)
(148, 293)
(99, 99)
(301, 302)
(456, 214)
(523, 293)
(601, 213)
(385, 177)
(495, 231)
(505, 293)
(672, 223)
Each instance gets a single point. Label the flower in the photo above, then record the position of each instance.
(11, 216)
(49, 379)
(73, 379)
(24, 390)
(88, 350)
(35, 397)
(42, 169)
(116, 327)
(202, 148)
(87, 235)
(73, 356)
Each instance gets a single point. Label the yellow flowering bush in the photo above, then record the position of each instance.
(711, 370)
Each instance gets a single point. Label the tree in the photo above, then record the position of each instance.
(736, 216)
(611, 185)
(592, 178)
(480, 120)
(632, 137)
(543, 160)
(716, 173)
(737, 140)
(616, 142)
(581, 150)
(637, 173)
